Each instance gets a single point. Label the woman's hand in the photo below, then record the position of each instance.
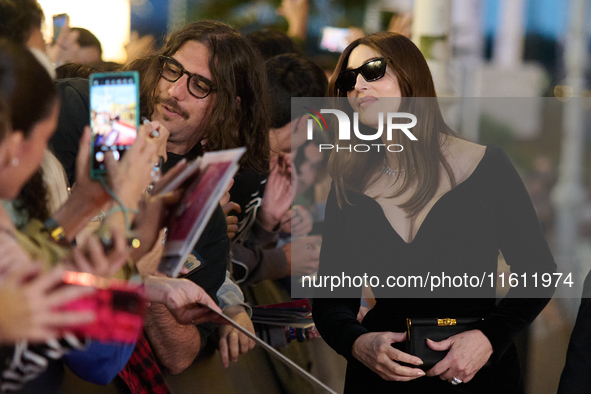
(468, 352)
(375, 351)
(233, 342)
(90, 190)
(30, 303)
(94, 260)
(131, 176)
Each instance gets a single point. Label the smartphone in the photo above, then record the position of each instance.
(114, 116)
(334, 39)
(59, 21)
(119, 307)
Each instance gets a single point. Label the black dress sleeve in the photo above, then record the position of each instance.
(524, 247)
(336, 318)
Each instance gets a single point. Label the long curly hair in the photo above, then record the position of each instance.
(238, 71)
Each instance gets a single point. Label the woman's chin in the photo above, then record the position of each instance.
(370, 118)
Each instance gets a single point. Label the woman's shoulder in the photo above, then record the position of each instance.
(350, 199)
(463, 156)
(468, 158)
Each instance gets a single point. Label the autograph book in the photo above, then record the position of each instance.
(203, 182)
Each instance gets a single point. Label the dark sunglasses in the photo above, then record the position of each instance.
(371, 70)
(171, 70)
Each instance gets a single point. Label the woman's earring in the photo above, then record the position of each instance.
(14, 162)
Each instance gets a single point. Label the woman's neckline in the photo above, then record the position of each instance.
(437, 202)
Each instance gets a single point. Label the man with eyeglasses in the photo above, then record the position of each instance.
(207, 86)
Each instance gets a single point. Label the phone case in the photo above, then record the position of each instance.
(114, 125)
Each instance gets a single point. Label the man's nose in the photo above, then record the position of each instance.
(178, 89)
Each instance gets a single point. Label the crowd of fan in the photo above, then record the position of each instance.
(44, 149)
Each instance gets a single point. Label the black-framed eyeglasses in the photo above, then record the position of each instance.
(372, 70)
(197, 85)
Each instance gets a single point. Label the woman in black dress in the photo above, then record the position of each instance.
(443, 204)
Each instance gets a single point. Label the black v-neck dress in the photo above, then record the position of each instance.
(462, 233)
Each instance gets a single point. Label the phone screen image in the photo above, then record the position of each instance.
(114, 116)
(58, 24)
(334, 39)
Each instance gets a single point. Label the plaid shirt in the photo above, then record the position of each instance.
(142, 374)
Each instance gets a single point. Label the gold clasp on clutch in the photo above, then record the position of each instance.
(446, 322)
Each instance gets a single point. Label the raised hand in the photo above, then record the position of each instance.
(66, 47)
(303, 255)
(297, 221)
(93, 259)
(277, 197)
(229, 206)
(296, 12)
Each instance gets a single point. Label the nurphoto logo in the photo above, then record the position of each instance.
(344, 131)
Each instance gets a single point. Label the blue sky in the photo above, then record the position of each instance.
(546, 17)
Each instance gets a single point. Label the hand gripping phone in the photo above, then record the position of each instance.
(114, 116)
(59, 21)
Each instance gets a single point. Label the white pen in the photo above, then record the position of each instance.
(154, 133)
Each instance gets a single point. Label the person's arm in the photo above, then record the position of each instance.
(252, 263)
(88, 196)
(171, 317)
(175, 345)
(296, 13)
(232, 342)
(524, 248)
(229, 294)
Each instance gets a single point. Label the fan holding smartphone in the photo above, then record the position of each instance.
(114, 116)
(59, 21)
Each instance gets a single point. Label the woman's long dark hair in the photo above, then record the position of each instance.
(422, 159)
(29, 95)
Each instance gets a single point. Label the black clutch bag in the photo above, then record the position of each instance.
(419, 329)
